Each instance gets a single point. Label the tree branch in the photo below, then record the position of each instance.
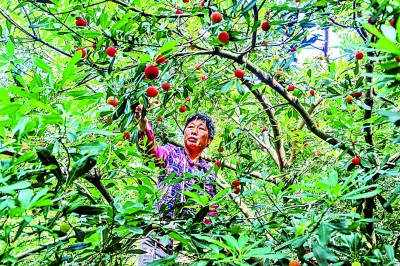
(294, 101)
(265, 144)
(36, 39)
(301, 124)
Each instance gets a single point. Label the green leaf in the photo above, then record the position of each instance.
(81, 167)
(10, 109)
(92, 146)
(96, 131)
(201, 214)
(178, 237)
(249, 6)
(202, 200)
(70, 69)
(353, 194)
(231, 241)
(242, 241)
(169, 47)
(10, 189)
(42, 65)
(78, 246)
(163, 261)
(79, 234)
(324, 234)
(227, 86)
(22, 225)
(387, 207)
(264, 253)
(239, 87)
(323, 254)
(309, 73)
(10, 49)
(47, 159)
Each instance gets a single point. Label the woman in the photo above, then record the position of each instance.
(198, 134)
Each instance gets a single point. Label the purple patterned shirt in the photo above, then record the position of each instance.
(175, 160)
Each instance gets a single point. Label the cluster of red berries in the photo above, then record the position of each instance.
(236, 186)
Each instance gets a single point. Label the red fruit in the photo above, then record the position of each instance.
(370, 21)
(188, 99)
(307, 252)
(397, 59)
(126, 135)
(159, 118)
(94, 46)
(317, 154)
(151, 92)
(312, 92)
(359, 56)
(223, 37)
(80, 22)
(291, 88)
(166, 86)
(151, 72)
(160, 59)
(182, 109)
(112, 101)
(217, 163)
(33, 211)
(198, 66)
(297, 1)
(237, 190)
(148, 104)
(236, 183)
(294, 263)
(186, 1)
(109, 120)
(82, 50)
(221, 149)
(357, 94)
(157, 102)
(349, 98)
(192, 47)
(216, 17)
(207, 220)
(356, 160)
(239, 73)
(111, 51)
(393, 23)
(265, 26)
(178, 12)
(202, 3)
(204, 77)
(25, 148)
(264, 42)
(264, 128)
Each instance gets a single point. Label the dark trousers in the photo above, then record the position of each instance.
(154, 251)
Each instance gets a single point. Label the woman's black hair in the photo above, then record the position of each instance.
(205, 118)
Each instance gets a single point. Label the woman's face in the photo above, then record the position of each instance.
(196, 135)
